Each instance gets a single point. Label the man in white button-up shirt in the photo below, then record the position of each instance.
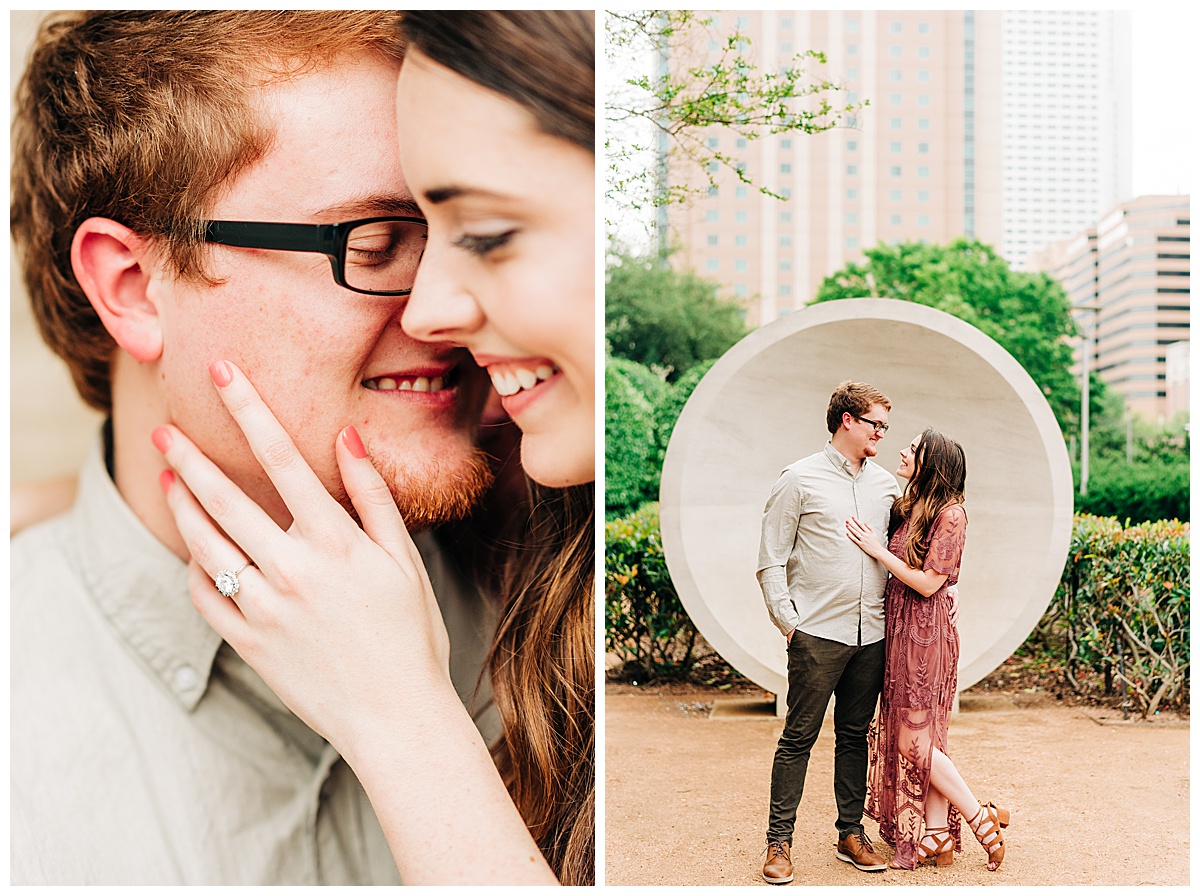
(826, 597)
(143, 749)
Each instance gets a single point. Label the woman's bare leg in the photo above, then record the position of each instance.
(944, 778)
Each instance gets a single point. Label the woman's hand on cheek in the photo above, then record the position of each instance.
(340, 621)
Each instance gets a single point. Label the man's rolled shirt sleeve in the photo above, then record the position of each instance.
(781, 518)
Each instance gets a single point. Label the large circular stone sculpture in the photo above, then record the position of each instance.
(762, 406)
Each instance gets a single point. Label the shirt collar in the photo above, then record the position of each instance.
(838, 460)
(140, 586)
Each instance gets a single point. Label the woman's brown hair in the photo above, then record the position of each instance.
(939, 480)
(543, 657)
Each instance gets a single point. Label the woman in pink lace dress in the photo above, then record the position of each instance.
(914, 790)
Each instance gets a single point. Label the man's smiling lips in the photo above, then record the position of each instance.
(432, 380)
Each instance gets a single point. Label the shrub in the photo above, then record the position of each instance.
(628, 444)
(670, 406)
(1122, 609)
(645, 623)
(1150, 490)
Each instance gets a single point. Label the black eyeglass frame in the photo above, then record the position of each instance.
(879, 427)
(328, 239)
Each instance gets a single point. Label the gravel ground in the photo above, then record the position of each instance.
(1095, 800)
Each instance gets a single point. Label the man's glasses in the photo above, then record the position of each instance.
(378, 256)
(879, 427)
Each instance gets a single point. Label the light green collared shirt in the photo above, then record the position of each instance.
(145, 751)
(812, 576)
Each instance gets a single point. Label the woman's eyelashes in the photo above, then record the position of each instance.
(482, 244)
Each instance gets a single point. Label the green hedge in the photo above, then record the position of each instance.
(645, 624)
(1122, 611)
(1120, 617)
(629, 472)
(1146, 490)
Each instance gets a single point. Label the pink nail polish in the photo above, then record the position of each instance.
(161, 437)
(353, 442)
(221, 373)
(165, 478)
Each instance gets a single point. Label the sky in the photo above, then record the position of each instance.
(1164, 82)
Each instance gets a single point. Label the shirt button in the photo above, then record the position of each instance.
(185, 678)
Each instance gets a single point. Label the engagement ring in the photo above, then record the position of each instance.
(227, 580)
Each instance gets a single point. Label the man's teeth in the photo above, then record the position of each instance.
(512, 382)
(407, 384)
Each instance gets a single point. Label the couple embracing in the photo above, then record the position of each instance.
(859, 576)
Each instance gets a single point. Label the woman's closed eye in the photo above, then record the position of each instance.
(482, 244)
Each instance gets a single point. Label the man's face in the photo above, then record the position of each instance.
(865, 440)
(321, 356)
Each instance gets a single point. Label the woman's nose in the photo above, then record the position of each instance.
(441, 307)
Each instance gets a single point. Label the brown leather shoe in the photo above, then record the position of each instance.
(856, 849)
(778, 869)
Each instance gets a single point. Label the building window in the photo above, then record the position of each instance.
(851, 170)
(851, 49)
(922, 220)
(894, 195)
(851, 74)
(922, 28)
(922, 147)
(739, 264)
(923, 124)
(894, 220)
(852, 194)
(895, 27)
(851, 219)
(923, 99)
(785, 144)
(739, 290)
(851, 242)
(785, 240)
(895, 146)
(922, 195)
(712, 190)
(711, 216)
(713, 142)
(785, 192)
(851, 24)
(741, 142)
(712, 239)
(895, 171)
(712, 265)
(785, 265)
(786, 48)
(922, 52)
(894, 51)
(896, 99)
(923, 171)
(896, 123)
(785, 217)
(785, 168)
(923, 76)
(894, 74)
(739, 239)
(740, 192)
(739, 217)
(785, 290)
(851, 145)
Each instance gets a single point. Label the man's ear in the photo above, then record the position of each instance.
(108, 259)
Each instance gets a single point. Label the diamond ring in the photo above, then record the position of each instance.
(227, 580)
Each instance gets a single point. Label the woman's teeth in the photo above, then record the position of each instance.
(513, 381)
(407, 384)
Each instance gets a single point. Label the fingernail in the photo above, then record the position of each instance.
(161, 437)
(353, 442)
(165, 478)
(221, 373)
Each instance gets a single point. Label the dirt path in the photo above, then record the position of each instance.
(1093, 802)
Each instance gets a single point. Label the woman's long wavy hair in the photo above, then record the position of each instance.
(939, 480)
(542, 662)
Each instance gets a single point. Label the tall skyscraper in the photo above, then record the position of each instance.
(1130, 277)
(1067, 123)
(931, 158)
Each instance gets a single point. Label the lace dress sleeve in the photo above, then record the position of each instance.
(946, 540)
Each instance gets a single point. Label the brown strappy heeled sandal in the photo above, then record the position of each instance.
(942, 853)
(987, 824)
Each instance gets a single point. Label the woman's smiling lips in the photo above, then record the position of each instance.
(518, 381)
